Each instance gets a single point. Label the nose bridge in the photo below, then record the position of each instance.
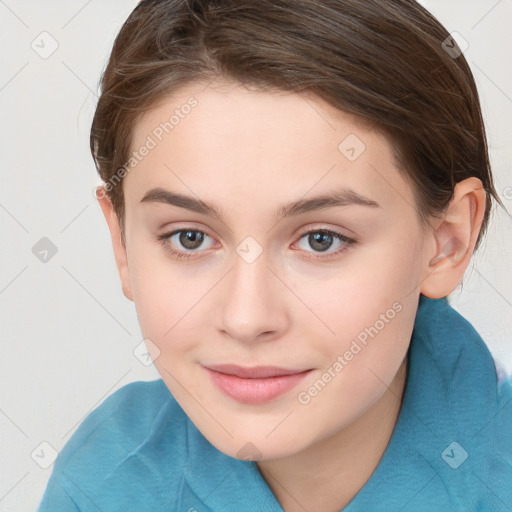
(249, 304)
(250, 275)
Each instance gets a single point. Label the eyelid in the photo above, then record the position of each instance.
(326, 227)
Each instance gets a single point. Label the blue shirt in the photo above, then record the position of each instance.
(451, 449)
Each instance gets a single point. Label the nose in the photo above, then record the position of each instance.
(252, 302)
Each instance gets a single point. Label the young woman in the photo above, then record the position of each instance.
(293, 188)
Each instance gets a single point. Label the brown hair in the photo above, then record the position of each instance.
(386, 61)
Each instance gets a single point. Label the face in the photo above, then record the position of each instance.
(296, 245)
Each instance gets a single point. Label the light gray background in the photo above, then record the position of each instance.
(68, 333)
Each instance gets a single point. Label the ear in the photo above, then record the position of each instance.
(454, 239)
(117, 243)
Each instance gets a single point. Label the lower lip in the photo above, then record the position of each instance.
(255, 391)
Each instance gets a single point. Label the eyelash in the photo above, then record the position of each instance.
(348, 242)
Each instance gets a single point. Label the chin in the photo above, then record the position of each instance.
(257, 448)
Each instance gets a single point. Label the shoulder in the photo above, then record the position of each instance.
(138, 401)
(127, 454)
(125, 426)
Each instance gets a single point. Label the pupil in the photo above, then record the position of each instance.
(317, 241)
(191, 239)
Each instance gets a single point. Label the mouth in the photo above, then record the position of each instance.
(254, 385)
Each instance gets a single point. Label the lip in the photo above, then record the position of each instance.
(254, 385)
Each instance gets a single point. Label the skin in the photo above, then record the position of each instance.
(250, 152)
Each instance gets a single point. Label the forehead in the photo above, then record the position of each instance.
(226, 139)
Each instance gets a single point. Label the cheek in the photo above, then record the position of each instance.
(356, 294)
(160, 296)
(370, 345)
(367, 313)
(386, 271)
(173, 304)
(386, 340)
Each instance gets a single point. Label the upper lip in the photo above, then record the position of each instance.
(254, 372)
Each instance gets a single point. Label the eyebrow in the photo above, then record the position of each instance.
(340, 197)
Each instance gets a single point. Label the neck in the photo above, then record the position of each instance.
(314, 479)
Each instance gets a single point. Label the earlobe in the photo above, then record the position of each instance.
(118, 245)
(454, 239)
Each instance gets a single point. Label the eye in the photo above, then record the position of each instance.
(321, 240)
(188, 238)
(190, 241)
